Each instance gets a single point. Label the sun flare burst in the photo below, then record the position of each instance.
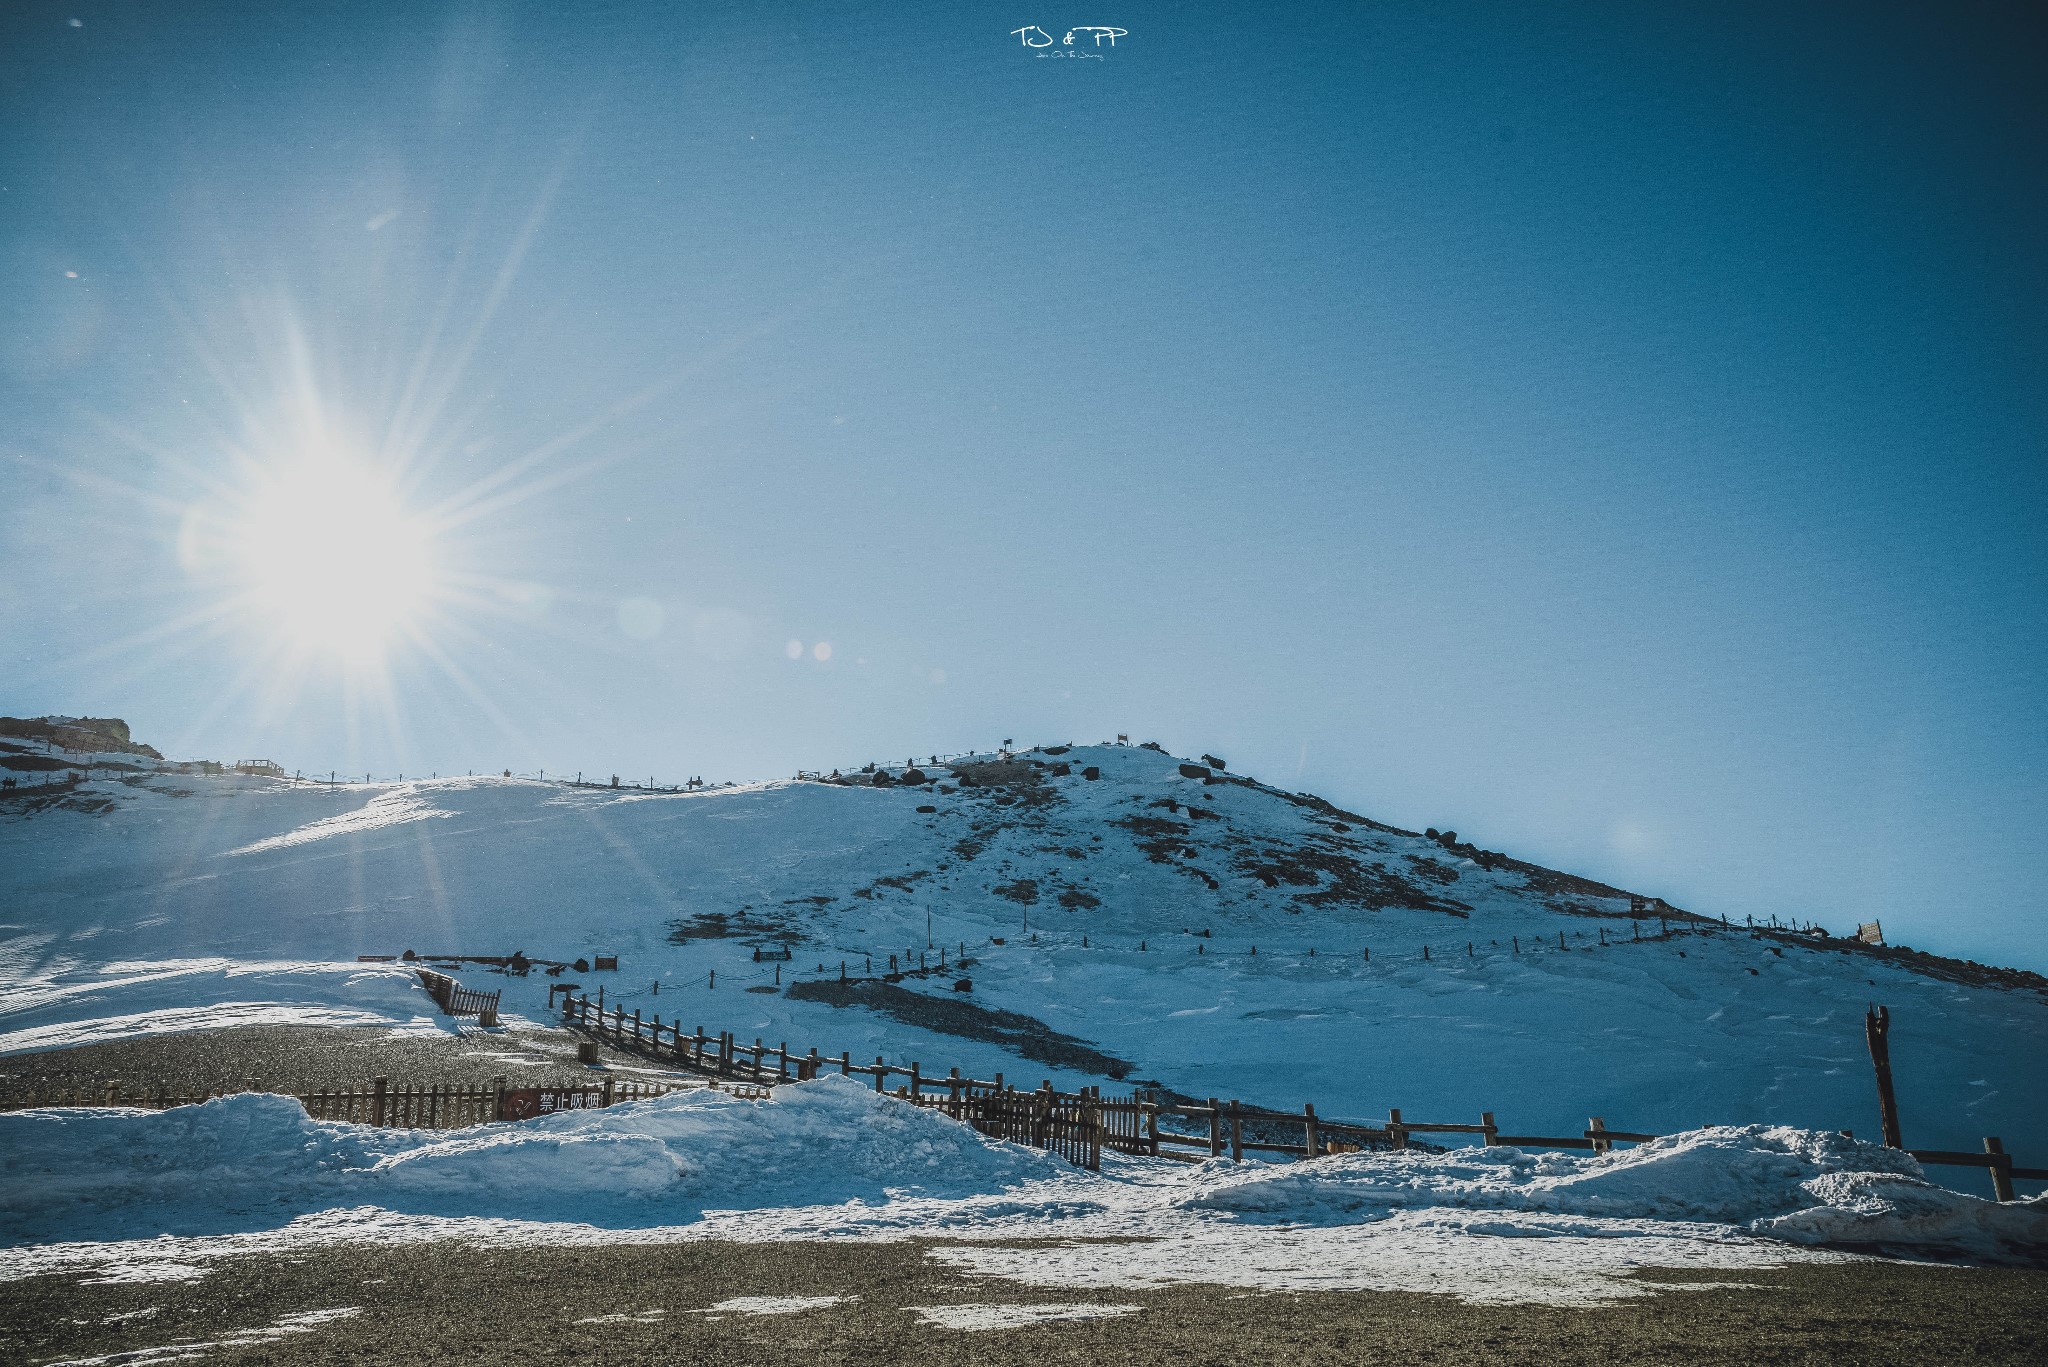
(329, 552)
(321, 555)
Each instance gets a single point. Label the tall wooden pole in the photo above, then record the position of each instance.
(1877, 1023)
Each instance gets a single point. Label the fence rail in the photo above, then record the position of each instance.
(405, 1105)
(1076, 1125)
(1079, 1125)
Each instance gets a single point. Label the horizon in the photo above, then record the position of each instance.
(1616, 437)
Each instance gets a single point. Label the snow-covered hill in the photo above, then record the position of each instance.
(1159, 921)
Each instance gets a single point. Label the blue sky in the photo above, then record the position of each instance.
(1614, 434)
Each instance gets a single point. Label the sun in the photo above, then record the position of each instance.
(328, 554)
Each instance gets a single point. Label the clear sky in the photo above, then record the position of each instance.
(1613, 431)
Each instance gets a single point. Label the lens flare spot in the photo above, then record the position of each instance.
(795, 649)
(822, 650)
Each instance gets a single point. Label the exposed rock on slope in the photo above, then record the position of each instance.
(102, 735)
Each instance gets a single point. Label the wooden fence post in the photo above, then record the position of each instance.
(916, 1081)
(1215, 1127)
(498, 1109)
(2001, 1170)
(605, 1098)
(881, 1074)
(377, 1086)
(1596, 1130)
(1397, 1136)
(1877, 1025)
(1492, 1130)
(1236, 1132)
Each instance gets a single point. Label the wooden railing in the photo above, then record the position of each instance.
(1079, 1125)
(1075, 1125)
(1994, 1158)
(456, 1000)
(409, 1106)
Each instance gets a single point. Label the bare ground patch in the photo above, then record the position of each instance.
(1021, 1034)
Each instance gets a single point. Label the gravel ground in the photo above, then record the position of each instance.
(459, 1303)
(308, 1058)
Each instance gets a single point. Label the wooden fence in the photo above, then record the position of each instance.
(1075, 1125)
(406, 1106)
(1079, 1125)
(456, 1000)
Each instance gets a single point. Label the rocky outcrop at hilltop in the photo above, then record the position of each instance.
(103, 735)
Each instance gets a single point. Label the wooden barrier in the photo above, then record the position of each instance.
(1078, 1125)
(1994, 1158)
(1075, 1125)
(404, 1106)
(456, 1000)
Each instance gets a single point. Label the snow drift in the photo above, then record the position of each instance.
(1804, 1186)
(834, 1158)
(253, 1161)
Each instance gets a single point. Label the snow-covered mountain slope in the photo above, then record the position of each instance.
(1156, 923)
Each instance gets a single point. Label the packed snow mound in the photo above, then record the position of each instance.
(830, 1158)
(826, 1141)
(1806, 1186)
(230, 1163)
(256, 1161)
(1880, 1211)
